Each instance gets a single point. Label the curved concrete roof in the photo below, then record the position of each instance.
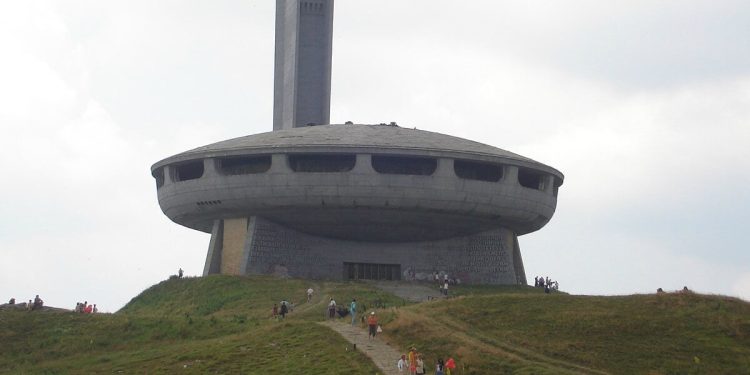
(356, 138)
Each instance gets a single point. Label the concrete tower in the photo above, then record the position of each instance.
(302, 71)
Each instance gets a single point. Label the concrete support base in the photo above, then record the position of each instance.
(491, 257)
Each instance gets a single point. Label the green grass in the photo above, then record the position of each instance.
(216, 324)
(529, 332)
(223, 324)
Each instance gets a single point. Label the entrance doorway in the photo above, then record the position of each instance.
(371, 271)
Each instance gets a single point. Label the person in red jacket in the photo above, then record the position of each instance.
(450, 365)
(372, 323)
(88, 309)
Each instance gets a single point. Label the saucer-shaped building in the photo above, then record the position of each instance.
(359, 202)
(352, 201)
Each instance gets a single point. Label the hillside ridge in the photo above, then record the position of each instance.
(223, 324)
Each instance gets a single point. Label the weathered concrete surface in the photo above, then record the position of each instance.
(361, 203)
(233, 243)
(486, 258)
(213, 257)
(302, 68)
(357, 138)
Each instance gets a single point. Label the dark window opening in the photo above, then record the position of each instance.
(321, 162)
(159, 176)
(189, 171)
(372, 271)
(245, 164)
(472, 170)
(531, 179)
(404, 165)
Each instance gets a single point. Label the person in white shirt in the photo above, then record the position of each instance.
(332, 309)
(309, 294)
(402, 363)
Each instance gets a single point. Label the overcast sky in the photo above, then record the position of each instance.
(643, 105)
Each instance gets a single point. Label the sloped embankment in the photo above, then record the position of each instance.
(527, 332)
(217, 324)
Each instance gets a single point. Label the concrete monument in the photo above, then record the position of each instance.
(302, 72)
(352, 201)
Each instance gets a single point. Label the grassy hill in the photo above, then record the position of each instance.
(216, 324)
(222, 324)
(673, 333)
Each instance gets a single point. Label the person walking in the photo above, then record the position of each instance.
(412, 361)
(420, 365)
(372, 324)
(450, 365)
(331, 309)
(353, 310)
(309, 294)
(440, 367)
(401, 365)
(38, 303)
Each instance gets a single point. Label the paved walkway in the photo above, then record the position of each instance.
(383, 355)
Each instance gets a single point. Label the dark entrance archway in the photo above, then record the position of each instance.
(371, 271)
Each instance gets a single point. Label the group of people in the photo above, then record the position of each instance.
(444, 282)
(85, 308)
(35, 304)
(546, 283)
(342, 311)
(285, 308)
(684, 290)
(413, 362)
